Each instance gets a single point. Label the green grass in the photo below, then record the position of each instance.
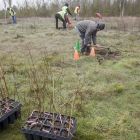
(107, 105)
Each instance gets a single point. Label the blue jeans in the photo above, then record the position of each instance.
(76, 17)
(14, 19)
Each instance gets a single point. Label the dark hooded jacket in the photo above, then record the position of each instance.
(89, 28)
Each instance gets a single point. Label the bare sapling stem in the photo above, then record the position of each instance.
(31, 86)
(39, 99)
(1, 101)
(43, 89)
(0, 110)
(29, 105)
(43, 101)
(1, 95)
(34, 80)
(72, 107)
(53, 105)
(66, 108)
(4, 94)
(48, 72)
(35, 91)
(15, 84)
(33, 69)
(13, 71)
(60, 100)
(3, 77)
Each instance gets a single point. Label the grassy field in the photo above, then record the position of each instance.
(103, 92)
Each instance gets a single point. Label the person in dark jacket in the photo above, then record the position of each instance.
(61, 16)
(87, 30)
(12, 14)
(66, 9)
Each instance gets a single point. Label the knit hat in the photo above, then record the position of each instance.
(100, 25)
(79, 6)
(66, 4)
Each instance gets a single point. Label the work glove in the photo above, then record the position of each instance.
(97, 45)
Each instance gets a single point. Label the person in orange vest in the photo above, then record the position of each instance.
(61, 16)
(12, 14)
(66, 9)
(77, 10)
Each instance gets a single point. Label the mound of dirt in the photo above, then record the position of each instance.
(108, 54)
(104, 54)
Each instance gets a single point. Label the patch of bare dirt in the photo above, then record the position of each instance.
(108, 54)
(104, 54)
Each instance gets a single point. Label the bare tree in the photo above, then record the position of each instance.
(9, 2)
(121, 7)
(4, 3)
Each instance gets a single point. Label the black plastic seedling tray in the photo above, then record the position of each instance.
(45, 130)
(9, 116)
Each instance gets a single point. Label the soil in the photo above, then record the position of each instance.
(110, 55)
(63, 117)
(47, 128)
(48, 121)
(72, 119)
(103, 54)
(2, 113)
(4, 99)
(15, 104)
(31, 118)
(55, 131)
(27, 126)
(11, 101)
(57, 124)
(43, 115)
(64, 133)
(35, 113)
(51, 115)
(36, 127)
(66, 125)
(41, 120)
(5, 108)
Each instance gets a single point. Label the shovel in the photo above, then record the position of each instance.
(107, 52)
(108, 49)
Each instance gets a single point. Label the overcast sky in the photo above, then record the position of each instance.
(14, 2)
(20, 2)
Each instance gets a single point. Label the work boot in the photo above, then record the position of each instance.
(87, 53)
(82, 53)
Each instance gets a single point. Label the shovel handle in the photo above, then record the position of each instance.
(101, 47)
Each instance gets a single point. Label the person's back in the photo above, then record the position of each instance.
(87, 30)
(87, 26)
(61, 15)
(64, 8)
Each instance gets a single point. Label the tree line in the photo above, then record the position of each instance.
(89, 8)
